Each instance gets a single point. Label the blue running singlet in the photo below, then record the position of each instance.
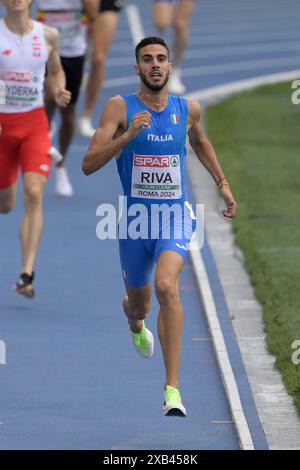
(151, 169)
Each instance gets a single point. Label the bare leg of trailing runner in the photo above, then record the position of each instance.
(73, 68)
(63, 186)
(177, 14)
(50, 110)
(32, 224)
(67, 17)
(24, 130)
(103, 33)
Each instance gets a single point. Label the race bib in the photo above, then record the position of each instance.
(21, 95)
(2, 92)
(156, 177)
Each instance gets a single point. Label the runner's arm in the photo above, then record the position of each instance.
(200, 143)
(57, 78)
(207, 156)
(103, 147)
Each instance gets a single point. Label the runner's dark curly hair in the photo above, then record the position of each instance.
(150, 40)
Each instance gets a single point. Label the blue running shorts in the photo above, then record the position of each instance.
(139, 255)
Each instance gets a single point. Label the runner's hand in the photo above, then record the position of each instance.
(229, 200)
(140, 120)
(62, 97)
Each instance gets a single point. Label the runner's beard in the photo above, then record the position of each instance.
(154, 87)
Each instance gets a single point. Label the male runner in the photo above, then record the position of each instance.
(25, 48)
(68, 18)
(103, 33)
(175, 13)
(147, 132)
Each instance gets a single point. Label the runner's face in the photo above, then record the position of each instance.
(154, 66)
(16, 5)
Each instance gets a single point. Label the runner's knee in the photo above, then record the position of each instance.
(98, 60)
(165, 289)
(33, 195)
(162, 20)
(68, 114)
(161, 24)
(180, 26)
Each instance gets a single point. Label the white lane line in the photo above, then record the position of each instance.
(233, 39)
(250, 8)
(2, 352)
(240, 66)
(209, 96)
(210, 40)
(215, 69)
(221, 422)
(230, 50)
(216, 93)
(249, 16)
(117, 61)
(289, 46)
(135, 23)
(247, 26)
(227, 374)
(243, 38)
(201, 339)
(216, 23)
(117, 82)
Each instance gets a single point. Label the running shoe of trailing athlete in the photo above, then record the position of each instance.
(24, 285)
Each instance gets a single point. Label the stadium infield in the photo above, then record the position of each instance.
(256, 136)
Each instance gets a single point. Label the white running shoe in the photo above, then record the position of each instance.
(143, 342)
(63, 186)
(85, 127)
(53, 129)
(55, 154)
(175, 85)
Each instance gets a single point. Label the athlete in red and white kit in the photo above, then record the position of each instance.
(70, 18)
(26, 46)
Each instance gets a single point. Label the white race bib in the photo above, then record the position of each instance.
(2, 92)
(156, 177)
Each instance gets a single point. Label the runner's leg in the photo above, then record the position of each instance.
(136, 305)
(183, 14)
(66, 131)
(35, 163)
(163, 14)
(104, 31)
(170, 316)
(73, 68)
(32, 223)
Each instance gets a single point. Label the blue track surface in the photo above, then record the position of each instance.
(72, 379)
